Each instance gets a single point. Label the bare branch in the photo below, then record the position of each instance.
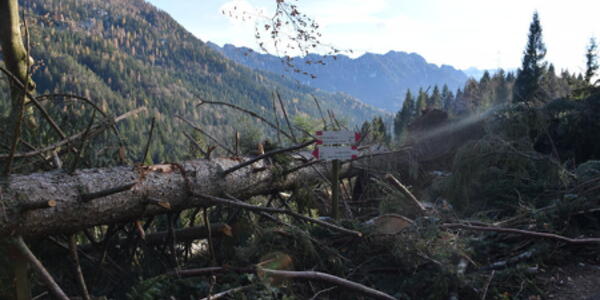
(77, 266)
(247, 112)
(546, 235)
(287, 119)
(96, 130)
(240, 204)
(149, 141)
(314, 275)
(268, 154)
(206, 134)
(39, 268)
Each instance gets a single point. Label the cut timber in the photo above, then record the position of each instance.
(128, 193)
(169, 183)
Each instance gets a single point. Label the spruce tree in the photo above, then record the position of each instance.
(591, 56)
(378, 131)
(527, 86)
(447, 98)
(502, 93)
(404, 116)
(435, 100)
(421, 103)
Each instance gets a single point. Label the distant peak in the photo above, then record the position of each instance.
(396, 53)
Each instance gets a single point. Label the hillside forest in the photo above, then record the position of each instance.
(138, 162)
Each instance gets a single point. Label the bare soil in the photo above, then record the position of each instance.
(579, 281)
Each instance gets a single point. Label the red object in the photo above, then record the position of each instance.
(315, 153)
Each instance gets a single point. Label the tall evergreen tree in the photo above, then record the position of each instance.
(421, 104)
(435, 100)
(405, 115)
(378, 131)
(470, 99)
(447, 98)
(527, 86)
(502, 92)
(591, 57)
(487, 91)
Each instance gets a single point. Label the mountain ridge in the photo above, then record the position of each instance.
(380, 80)
(127, 54)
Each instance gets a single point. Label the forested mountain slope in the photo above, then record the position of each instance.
(379, 80)
(125, 54)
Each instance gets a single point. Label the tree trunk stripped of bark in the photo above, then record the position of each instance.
(56, 202)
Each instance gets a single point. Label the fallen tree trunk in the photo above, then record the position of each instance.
(93, 197)
(56, 202)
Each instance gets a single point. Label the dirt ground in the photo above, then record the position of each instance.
(579, 281)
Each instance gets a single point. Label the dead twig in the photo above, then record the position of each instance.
(205, 134)
(276, 118)
(487, 285)
(40, 269)
(210, 239)
(202, 101)
(37, 205)
(524, 232)
(84, 139)
(227, 292)
(172, 238)
(268, 154)
(305, 165)
(97, 129)
(37, 104)
(406, 192)
(147, 148)
(314, 275)
(204, 153)
(107, 192)
(320, 111)
(240, 204)
(321, 292)
(303, 275)
(287, 119)
(77, 266)
(85, 100)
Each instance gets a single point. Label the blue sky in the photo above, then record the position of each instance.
(461, 33)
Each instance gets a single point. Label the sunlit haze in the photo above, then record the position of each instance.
(462, 33)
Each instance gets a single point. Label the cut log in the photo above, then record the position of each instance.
(119, 200)
(56, 202)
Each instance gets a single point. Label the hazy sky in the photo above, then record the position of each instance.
(462, 33)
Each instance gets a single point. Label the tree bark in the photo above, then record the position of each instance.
(11, 40)
(17, 62)
(93, 197)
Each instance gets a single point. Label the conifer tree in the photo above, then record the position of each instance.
(591, 63)
(527, 86)
(447, 98)
(502, 92)
(487, 92)
(405, 115)
(435, 100)
(421, 104)
(378, 131)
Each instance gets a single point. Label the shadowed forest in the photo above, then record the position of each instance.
(138, 162)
